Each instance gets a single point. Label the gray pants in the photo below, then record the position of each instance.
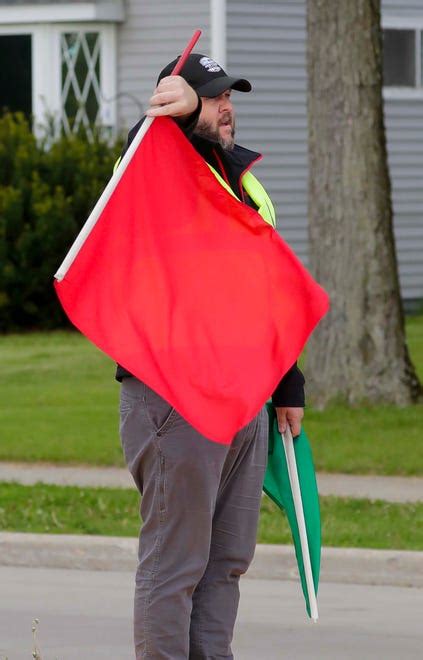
(200, 509)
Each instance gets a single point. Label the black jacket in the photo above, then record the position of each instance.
(232, 165)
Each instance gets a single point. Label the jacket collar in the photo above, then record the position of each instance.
(236, 162)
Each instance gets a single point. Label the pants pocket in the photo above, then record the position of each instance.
(159, 412)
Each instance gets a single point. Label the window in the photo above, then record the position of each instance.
(402, 58)
(16, 89)
(80, 80)
(64, 75)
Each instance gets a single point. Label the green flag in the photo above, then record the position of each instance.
(277, 487)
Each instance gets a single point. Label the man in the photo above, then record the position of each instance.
(201, 499)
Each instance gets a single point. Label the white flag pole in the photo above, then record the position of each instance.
(288, 444)
(107, 192)
(102, 201)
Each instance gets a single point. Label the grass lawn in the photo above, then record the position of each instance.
(369, 439)
(114, 512)
(60, 400)
(60, 404)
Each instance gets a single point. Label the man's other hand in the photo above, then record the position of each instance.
(291, 416)
(173, 97)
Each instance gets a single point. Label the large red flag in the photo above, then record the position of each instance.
(190, 290)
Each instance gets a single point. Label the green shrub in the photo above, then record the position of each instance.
(47, 192)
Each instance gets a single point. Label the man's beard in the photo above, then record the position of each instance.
(205, 130)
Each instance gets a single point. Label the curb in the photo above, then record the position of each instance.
(399, 568)
(345, 565)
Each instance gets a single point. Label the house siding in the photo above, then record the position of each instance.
(404, 122)
(153, 34)
(267, 44)
(407, 8)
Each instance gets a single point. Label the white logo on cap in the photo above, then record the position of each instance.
(210, 64)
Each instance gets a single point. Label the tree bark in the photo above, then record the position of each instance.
(359, 351)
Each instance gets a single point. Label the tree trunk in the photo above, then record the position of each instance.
(358, 352)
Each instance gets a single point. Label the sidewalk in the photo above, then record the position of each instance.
(391, 489)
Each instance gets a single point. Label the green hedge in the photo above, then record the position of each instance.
(46, 193)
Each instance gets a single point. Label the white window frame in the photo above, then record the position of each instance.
(108, 115)
(46, 67)
(416, 25)
(52, 12)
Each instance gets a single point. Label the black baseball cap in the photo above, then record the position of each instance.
(206, 76)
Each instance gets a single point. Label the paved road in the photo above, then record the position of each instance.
(391, 489)
(86, 615)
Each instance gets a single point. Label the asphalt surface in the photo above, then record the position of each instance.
(391, 489)
(86, 615)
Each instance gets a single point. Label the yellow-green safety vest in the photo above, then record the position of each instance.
(255, 190)
(252, 187)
